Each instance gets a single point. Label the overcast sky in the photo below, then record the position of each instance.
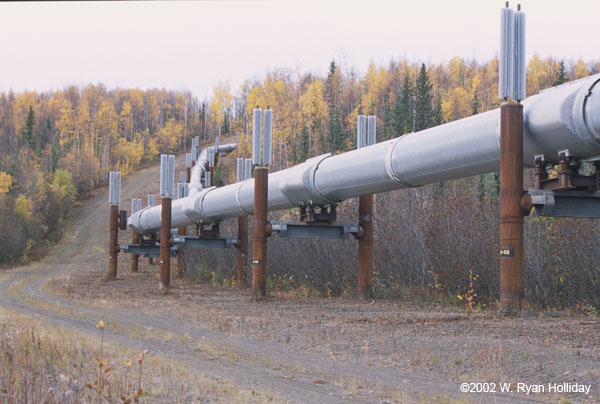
(193, 44)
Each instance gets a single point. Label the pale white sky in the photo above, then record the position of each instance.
(193, 44)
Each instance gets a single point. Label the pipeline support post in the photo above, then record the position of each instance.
(259, 242)
(366, 136)
(165, 244)
(242, 248)
(365, 246)
(182, 231)
(135, 239)
(113, 242)
(511, 213)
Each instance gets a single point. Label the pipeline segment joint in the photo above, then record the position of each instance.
(299, 186)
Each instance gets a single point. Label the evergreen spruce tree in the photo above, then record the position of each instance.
(475, 104)
(423, 99)
(202, 119)
(225, 127)
(294, 154)
(27, 129)
(437, 110)
(47, 129)
(561, 75)
(386, 132)
(335, 134)
(304, 146)
(54, 155)
(402, 113)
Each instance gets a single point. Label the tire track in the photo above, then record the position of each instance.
(89, 230)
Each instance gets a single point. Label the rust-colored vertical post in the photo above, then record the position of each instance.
(165, 243)
(135, 239)
(365, 245)
(242, 248)
(113, 242)
(259, 242)
(511, 215)
(182, 231)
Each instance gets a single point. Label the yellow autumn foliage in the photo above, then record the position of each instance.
(5, 182)
(24, 207)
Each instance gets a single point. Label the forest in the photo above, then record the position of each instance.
(57, 146)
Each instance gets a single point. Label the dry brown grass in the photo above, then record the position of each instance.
(43, 363)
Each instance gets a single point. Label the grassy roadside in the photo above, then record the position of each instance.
(40, 362)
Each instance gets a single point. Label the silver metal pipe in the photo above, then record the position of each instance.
(267, 136)
(200, 167)
(117, 192)
(247, 169)
(564, 117)
(520, 63)
(163, 174)
(111, 187)
(506, 58)
(361, 131)
(256, 135)
(240, 170)
(371, 130)
(171, 176)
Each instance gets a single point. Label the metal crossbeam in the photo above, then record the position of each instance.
(146, 250)
(204, 242)
(565, 203)
(314, 230)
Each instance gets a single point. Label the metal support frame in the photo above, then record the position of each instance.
(569, 194)
(511, 212)
(318, 213)
(146, 250)
(153, 249)
(568, 179)
(208, 229)
(204, 242)
(565, 203)
(259, 242)
(314, 230)
(165, 244)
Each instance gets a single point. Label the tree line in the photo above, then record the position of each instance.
(57, 145)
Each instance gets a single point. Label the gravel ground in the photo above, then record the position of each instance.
(300, 349)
